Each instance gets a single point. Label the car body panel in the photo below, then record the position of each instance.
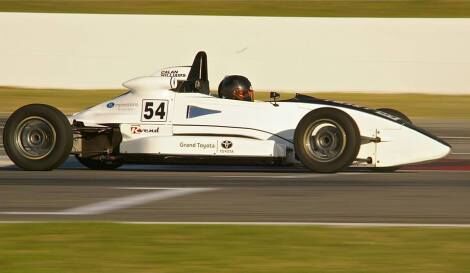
(250, 123)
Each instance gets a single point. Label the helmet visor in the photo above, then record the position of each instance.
(243, 94)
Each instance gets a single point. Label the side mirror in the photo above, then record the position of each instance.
(274, 97)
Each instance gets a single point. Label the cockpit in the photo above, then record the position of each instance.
(196, 81)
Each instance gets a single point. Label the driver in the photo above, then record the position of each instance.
(236, 87)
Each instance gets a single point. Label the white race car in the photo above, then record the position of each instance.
(172, 118)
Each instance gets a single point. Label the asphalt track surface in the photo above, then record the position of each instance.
(425, 194)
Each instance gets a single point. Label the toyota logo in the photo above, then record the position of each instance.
(227, 144)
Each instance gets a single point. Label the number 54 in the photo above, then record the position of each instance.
(154, 110)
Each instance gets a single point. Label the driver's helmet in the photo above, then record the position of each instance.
(236, 87)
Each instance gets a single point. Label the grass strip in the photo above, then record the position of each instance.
(68, 101)
(115, 248)
(304, 8)
(414, 105)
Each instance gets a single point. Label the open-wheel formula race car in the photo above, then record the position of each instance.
(172, 118)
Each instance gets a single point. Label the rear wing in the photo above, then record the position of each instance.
(189, 79)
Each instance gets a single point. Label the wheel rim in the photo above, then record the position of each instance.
(325, 140)
(35, 137)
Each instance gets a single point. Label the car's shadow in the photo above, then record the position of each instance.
(196, 168)
(73, 164)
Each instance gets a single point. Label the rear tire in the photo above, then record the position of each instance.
(327, 140)
(98, 164)
(38, 137)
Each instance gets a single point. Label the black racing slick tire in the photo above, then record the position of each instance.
(38, 137)
(327, 140)
(403, 117)
(98, 164)
(396, 113)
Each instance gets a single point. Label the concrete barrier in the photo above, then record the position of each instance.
(288, 54)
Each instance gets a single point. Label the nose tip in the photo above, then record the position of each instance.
(448, 150)
(443, 150)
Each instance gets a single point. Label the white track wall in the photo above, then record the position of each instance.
(288, 54)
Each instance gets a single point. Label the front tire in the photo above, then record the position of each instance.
(327, 140)
(38, 137)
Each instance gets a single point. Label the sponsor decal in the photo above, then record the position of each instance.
(137, 130)
(172, 74)
(197, 145)
(226, 144)
(387, 115)
(127, 106)
(123, 106)
(347, 104)
(226, 147)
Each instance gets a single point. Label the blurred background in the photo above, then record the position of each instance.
(407, 55)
